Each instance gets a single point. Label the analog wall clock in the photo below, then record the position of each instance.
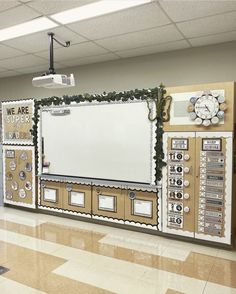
(207, 109)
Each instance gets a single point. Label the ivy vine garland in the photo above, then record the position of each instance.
(155, 95)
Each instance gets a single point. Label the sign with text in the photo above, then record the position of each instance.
(17, 121)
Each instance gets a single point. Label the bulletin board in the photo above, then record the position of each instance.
(19, 175)
(17, 122)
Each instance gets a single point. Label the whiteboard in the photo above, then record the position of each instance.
(111, 141)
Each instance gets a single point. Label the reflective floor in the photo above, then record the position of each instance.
(48, 254)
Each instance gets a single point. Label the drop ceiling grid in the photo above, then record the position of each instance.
(158, 26)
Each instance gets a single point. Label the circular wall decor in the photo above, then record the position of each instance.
(14, 185)
(28, 186)
(22, 193)
(28, 167)
(9, 195)
(9, 176)
(12, 165)
(207, 108)
(22, 175)
(24, 155)
(69, 187)
(132, 195)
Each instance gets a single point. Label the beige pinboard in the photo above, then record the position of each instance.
(108, 202)
(134, 211)
(228, 87)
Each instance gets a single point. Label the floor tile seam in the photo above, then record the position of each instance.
(38, 226)
(213, 264)
(61, 221)
(78, 249)
(30, 238)
(108, 235)
(41, 276)
(38, 251)
(205, 288)
(187, 248)
(8, 280)
(85, 284)
(2, 279)
(174, 274)
(148, 268)
(216, 282)
(7, 263)
(113, 272)
(65, 227)
(13, 221)
(118, 240)
(139, 251)
(87, 251)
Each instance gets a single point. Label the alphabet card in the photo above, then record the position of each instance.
(17, 122)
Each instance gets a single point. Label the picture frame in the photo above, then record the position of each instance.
(107, 202)
(50, 195)
(76, 198)
(10, 153)
(143, 208)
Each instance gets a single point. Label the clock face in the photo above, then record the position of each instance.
(206, 107)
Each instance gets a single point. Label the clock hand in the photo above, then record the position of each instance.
(207, 108)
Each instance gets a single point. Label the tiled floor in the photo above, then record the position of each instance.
(48, 254)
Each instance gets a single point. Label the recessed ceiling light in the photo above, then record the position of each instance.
(26, 28)
(95, 9)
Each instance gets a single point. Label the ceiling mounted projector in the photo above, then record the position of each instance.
(53, 81)
(50, 79)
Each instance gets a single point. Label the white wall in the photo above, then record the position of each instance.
(216, 63)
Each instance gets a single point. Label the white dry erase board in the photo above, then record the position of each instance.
(112, 141)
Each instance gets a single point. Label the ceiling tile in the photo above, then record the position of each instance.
(143, 17)
(186, 10)
(154, 49)
(75, 51)
(22, 61)
(39, 41)
(6, 4)
(213, 39)
(140, 39)
(54, 6)
(17, 15)
(2, 69)
(90, 59)
(36, 69)
(209, 25)
(7, 52)
(9, 73)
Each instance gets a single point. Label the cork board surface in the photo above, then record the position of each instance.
(228, 87)
(18, 174)
(47, 187)
(142, 198)
(118, 196)
(83, 191)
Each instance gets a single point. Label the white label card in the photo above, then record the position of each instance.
(77, 198)
(50, 195)
(143, 208)
(106, 202)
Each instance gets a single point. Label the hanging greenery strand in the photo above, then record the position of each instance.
(155, 95)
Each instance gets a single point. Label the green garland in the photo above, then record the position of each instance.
(156, 95)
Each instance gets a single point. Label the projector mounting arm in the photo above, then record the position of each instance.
(51, 39)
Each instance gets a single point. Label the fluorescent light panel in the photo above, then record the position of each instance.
(95, 9)
(26, 28)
